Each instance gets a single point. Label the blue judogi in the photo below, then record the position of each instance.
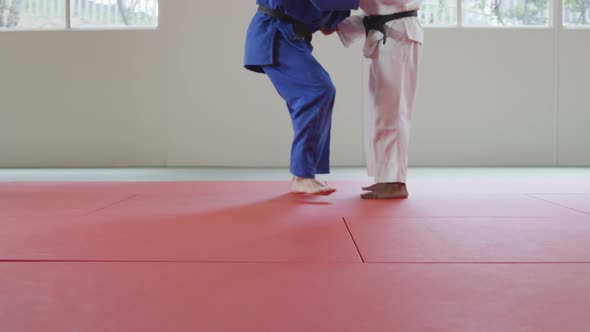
(271, 48)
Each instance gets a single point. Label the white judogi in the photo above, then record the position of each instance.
(392, 84)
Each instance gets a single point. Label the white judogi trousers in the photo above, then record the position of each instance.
(392, 82)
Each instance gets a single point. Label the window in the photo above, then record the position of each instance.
(438, 12)
(506, 12)
(32, 14)
(51, 14)
(114, 13)
(576, 12)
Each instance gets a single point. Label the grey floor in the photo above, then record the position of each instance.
(260, 174)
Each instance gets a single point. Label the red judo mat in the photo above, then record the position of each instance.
(156, 297)
(227, 256)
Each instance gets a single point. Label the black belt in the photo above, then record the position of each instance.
(377, 22)
(301, 33)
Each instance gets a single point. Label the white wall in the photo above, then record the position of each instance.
(82, 99)
(178, 96)
(574, 98)
(486, 98)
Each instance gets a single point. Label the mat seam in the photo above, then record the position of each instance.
(111, 204)
(354, 241)
(556, 204)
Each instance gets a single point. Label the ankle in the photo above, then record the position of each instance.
(395, 185)
(299, 179)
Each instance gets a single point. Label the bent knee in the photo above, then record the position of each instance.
(326, 89)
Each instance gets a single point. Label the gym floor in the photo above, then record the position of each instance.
(473, 249)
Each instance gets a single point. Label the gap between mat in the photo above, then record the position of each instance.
(111, 205)
(556, 204)
(353, 241)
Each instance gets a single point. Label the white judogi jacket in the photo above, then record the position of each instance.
(352, 30)
(392, 81)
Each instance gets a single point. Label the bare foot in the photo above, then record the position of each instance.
(388, 191)
(310, 187)
(375, 187)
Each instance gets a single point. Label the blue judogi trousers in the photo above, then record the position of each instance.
(309, 93)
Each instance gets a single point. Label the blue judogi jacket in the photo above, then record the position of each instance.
(313, 14)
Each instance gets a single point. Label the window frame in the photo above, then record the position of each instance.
(68, 24)
(556, 15)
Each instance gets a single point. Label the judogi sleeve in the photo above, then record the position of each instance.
(351, 30)
(340, 9)
(336, 4)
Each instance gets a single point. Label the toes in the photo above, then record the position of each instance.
(311, 187)
(314, 191)
(325, 191)
(383, 196)
(320, 192)
(370, 195)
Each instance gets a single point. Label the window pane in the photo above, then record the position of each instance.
(576, 12)
(32, 14)
(114, 13)
(438, 12)
(506, 12)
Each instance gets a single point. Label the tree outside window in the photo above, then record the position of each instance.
(506, 12)
(50, 14)
(576, 12)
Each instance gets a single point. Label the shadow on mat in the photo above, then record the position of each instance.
(281, 228)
